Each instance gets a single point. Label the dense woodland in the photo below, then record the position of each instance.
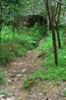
(32, 44)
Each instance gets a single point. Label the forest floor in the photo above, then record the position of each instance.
(18, 70)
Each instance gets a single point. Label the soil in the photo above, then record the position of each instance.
(18, 70)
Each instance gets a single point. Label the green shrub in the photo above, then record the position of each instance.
(2, 76)
(49, 71)
(16, 44)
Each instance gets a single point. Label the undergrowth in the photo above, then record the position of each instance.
(49, 71)
(2, 76)
(16, 44)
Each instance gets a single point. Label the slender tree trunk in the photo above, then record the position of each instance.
(48, 25)
(0, 30)
(58, 37)
(54, 45)
(14, 19)
(57, 18)
(51, 20)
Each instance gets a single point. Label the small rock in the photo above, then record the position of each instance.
(15, 63)
(9, 81)
(24, 70)
(29, 51)
(19, 75)
(40, 94)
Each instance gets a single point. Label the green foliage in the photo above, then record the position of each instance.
(5, 94)
(32, 7)
(46, 45)
(64, 93)
(2, 76)
(28, 83)
(49, 71)
(16, 44)
(5, 53)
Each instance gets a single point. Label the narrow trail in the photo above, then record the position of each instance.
(18, 70)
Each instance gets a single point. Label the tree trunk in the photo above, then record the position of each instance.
(54, 45)
(57, 18)
(0, 31)
(58, 37)
(14, 18)
(51, 20)
(48, 26)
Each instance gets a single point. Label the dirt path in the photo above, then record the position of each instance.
(18, 70)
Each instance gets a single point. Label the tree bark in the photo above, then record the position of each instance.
(57, 18)
(54, 45)
(51, 21)
(48, 26)
(58, 37)
(14, 16)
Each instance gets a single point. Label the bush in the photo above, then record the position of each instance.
(16, 44)
(49, 71)
(2, 76)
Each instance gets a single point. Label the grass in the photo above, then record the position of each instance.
(5, 94)
(49, 71)
(64, 93)
(16, 44)
(2, 76)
